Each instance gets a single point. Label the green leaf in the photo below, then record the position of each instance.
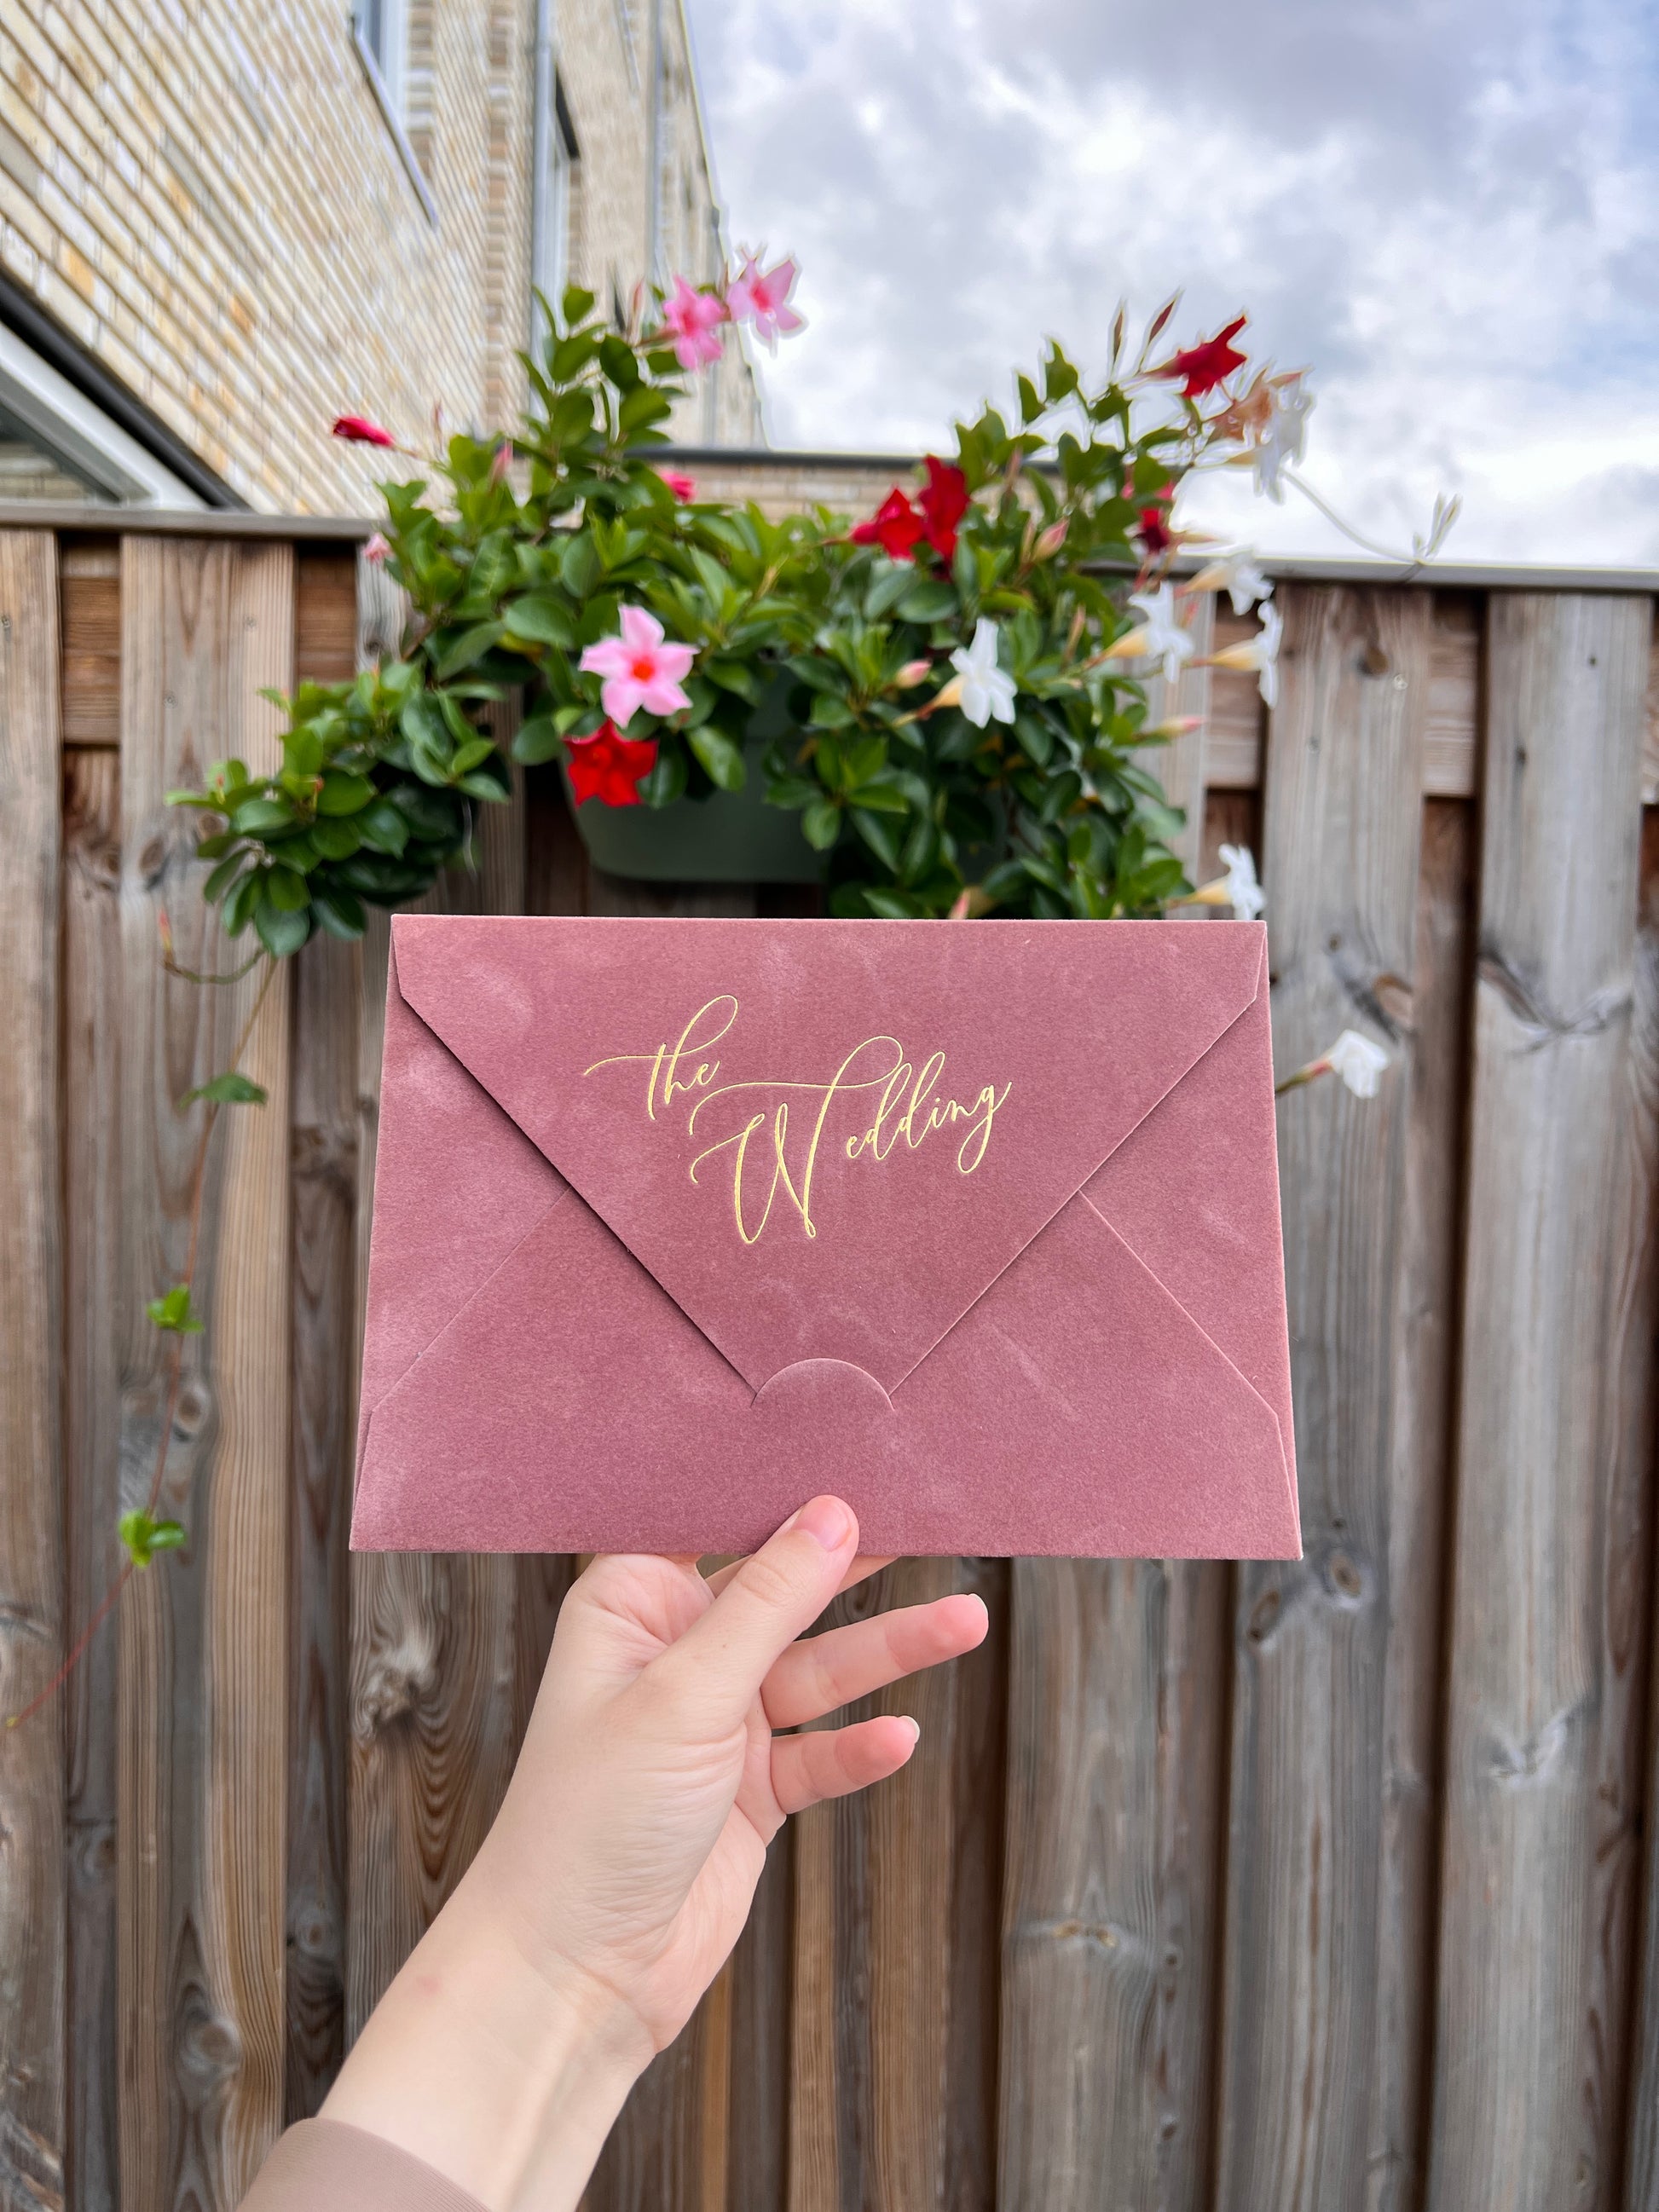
(172, 1311)
(230, 1089)
(831, 711)
(880, 835)
(617, 359)
(540, 620)
(339, 911)
(384, 827)
(239, 905)
(580, 565)
(792, 791)
(1030, 406)
(884, 797)
(537, 740)
(471, 645)
(338, 841)
(258, 817)
(887, 587)
(821, 825)
(667, 781)
(302, 753)
(344, 795)
(720, 755)
(929, 601)
(576, 306)
(287, 890)
(222, 878)
(888, 906)
(143, 1536)
(282, 931)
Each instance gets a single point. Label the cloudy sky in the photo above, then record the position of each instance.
(1449, 208)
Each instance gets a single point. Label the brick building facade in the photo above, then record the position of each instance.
(221, 226)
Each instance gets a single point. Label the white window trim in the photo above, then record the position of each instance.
(67, 422)
(394, 124)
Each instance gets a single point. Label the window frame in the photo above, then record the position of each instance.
(387, 80)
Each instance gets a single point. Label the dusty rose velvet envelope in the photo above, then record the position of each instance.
(679, 1222)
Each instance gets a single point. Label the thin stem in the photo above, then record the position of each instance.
(73, 1661)
(175, 1374)
(175, 1378)
(1411, 562)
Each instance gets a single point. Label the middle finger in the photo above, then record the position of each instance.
(818, 1674)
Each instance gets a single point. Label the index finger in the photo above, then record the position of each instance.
(866, 1565)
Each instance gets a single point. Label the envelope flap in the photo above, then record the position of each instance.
(826, 1140)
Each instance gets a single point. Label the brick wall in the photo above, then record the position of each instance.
(207, 197)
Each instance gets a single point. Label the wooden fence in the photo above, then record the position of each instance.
(1333, 1885)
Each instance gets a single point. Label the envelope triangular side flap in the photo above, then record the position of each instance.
(825, 1140)
(456, 1187)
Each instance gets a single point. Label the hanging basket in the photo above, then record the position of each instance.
(729, 837)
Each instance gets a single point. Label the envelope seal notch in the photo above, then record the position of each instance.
(809, 1387)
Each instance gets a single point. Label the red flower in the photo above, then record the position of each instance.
(943, 503)
(362, 432)
(682, 487)
(895, 527)
(608, 767)
(1153, 526)
(1208, 364)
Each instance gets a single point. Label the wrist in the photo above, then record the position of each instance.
(503, 2075)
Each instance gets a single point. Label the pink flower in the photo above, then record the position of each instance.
(690, 319)
(376, 548)
(501, 461)
(762, 297)
(639, 669)
(358, 430)
(682, 487)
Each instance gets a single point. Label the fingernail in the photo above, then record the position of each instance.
(828, 1520)
(914, 1728)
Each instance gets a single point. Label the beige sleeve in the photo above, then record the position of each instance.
(323, 2166)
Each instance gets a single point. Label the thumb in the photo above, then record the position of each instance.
(718, 1665)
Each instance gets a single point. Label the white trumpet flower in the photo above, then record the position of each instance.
(1163, 636)
(1260, 653)
(1237, 573)
(983, 688)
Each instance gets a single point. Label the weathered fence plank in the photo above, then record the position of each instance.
(324, 1187)
(1116, 1746)
(1435, 1015)
(32, 1825)
(327, 988)
(1300, 2032)
(1637, 1395)
(92, 1026)
(202, 1782)
(876, 1911)
(433, 1698)
(1566, 679)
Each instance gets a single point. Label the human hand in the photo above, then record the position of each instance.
(621, 1867)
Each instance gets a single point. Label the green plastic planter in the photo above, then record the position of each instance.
(730, 837)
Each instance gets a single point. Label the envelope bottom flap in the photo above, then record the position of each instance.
(1134, 1434)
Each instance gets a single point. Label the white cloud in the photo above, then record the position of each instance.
(1449, 208)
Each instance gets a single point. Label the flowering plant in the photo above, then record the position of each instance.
(959, 669)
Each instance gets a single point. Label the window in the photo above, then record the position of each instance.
(556, 214)
(383, 30)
